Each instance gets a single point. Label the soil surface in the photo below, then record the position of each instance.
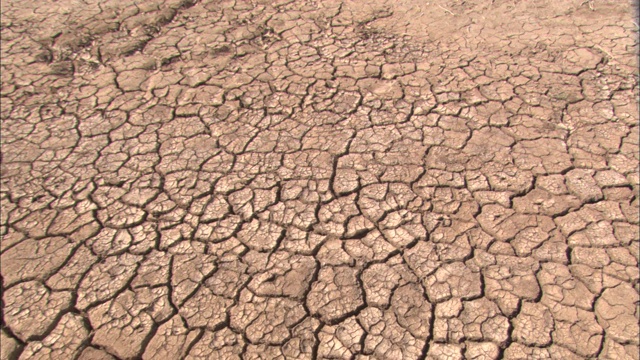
(433, 179)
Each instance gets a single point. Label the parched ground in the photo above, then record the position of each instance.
(439, 179)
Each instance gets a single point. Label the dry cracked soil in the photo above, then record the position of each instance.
(214, 179)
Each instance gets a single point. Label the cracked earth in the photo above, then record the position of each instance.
(308, 179)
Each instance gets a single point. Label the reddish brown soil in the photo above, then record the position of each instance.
(434, 179)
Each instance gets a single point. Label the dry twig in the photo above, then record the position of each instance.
(447, 10)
